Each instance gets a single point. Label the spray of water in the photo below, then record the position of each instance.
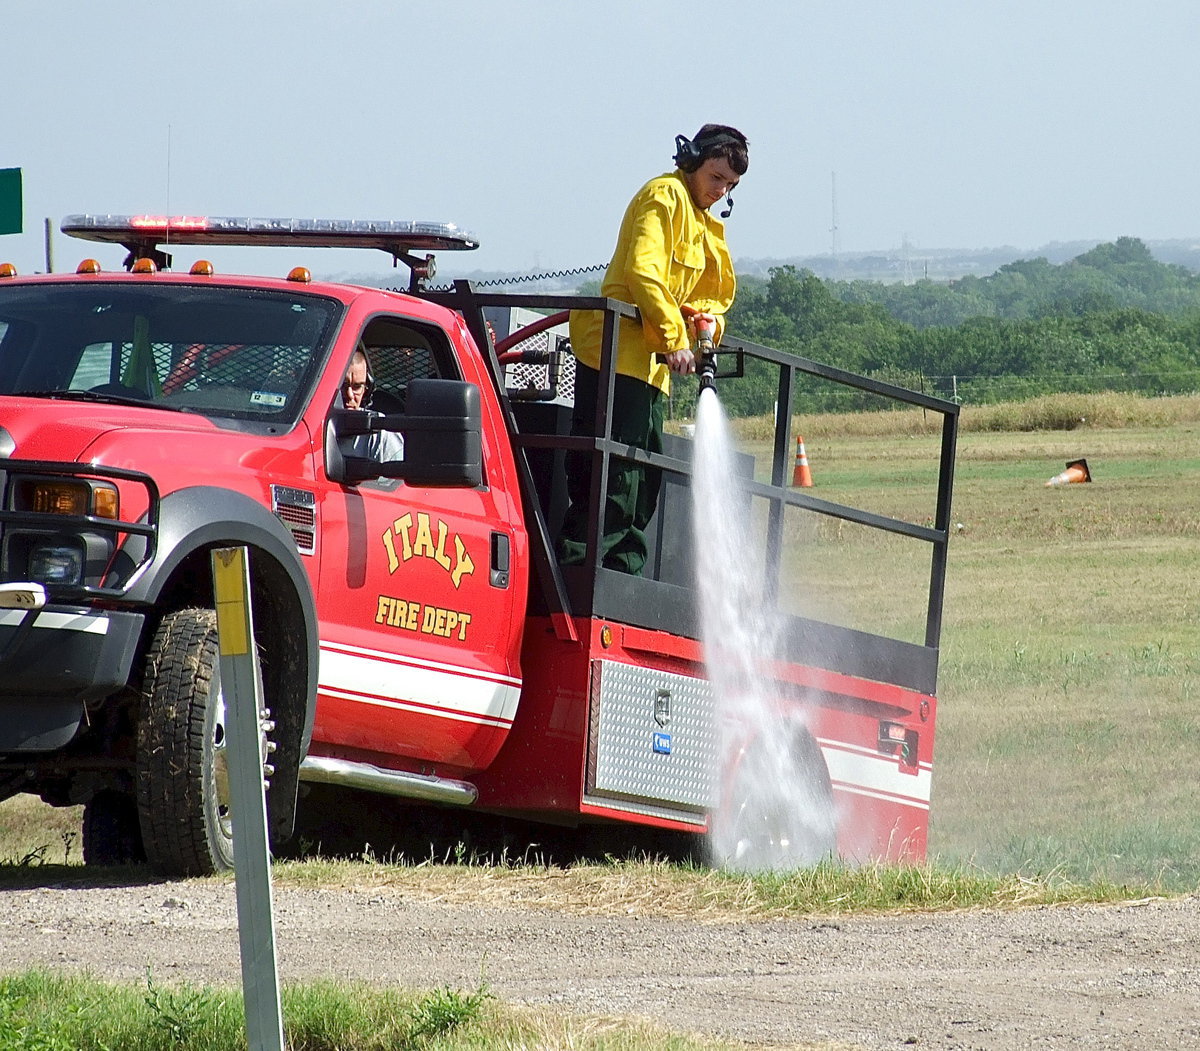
(773, 808)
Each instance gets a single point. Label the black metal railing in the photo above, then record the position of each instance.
(660, 600)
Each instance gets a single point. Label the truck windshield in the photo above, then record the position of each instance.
(237, 353)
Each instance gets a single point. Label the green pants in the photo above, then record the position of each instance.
(632, 496)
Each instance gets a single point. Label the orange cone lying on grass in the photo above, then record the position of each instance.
(1077, 471)
(801, 475)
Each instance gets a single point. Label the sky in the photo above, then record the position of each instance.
(966, 124)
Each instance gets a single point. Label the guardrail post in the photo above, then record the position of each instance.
(241, 685)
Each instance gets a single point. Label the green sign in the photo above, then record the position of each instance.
(10, 200)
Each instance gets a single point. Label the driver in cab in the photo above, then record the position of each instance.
(378, 446)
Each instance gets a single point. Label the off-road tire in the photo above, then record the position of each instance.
(781, 814)
(182, 783)
(111, 833)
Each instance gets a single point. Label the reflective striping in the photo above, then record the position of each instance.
(83, 622)
(870, 774)
(887, 797)
(428, 687)
(417, 708)
(415, 662)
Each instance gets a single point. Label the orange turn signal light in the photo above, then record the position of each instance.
(70, 497)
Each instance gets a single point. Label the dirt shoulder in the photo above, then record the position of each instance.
(1124, 976)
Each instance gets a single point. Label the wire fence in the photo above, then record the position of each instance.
(983, 390)
(755, 394)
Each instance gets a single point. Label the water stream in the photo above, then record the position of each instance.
(773, 809)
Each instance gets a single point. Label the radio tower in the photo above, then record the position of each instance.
(833, 223)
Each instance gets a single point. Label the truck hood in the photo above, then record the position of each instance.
(125, 436)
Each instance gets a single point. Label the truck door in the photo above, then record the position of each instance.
(419, 649)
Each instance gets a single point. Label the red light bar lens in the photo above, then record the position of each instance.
(168, 223)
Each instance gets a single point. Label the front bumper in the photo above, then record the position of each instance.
(54, 662)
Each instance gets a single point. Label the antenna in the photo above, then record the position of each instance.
(167, 209)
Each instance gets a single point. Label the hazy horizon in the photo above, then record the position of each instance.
(532, 124)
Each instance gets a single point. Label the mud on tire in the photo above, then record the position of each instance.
(182, 779)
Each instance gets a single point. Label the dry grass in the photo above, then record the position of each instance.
(32, 833)
(701, 895)
(541, 1029)
(642, 888)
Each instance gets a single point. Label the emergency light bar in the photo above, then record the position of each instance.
(140, 233)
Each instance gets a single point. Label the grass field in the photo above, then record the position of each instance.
(1068, 721)
(45, 1011)
(1069, 716)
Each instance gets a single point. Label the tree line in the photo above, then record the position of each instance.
(1113, 318)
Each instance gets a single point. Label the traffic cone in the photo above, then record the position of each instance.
(1077, 471)
(801, 475)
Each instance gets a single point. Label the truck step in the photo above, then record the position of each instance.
(372, 778)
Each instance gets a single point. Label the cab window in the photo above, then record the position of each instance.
(229, 353)
(400, 352)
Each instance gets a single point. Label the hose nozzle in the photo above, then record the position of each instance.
(706, 351)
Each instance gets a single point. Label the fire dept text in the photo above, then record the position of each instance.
(428, 620)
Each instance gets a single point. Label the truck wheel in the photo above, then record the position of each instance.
(779, 814)
(111, 835)
(182, 776)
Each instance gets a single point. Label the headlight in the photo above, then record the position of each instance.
(57, 562)
(56, 558)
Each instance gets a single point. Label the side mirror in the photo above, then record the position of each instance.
(443, 435)
(341, 464)
(443, 438)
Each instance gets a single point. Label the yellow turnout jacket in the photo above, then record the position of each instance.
(669, 254)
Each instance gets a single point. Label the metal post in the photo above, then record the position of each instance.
(241, 686)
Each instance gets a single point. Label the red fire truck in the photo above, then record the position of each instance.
(417, 638)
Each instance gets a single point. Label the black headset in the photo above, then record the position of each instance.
(689, 155)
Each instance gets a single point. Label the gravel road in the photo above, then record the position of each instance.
(1124, 976)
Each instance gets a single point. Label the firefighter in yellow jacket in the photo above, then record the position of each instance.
(670, 255)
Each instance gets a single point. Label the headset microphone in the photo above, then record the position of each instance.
(728, 206)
